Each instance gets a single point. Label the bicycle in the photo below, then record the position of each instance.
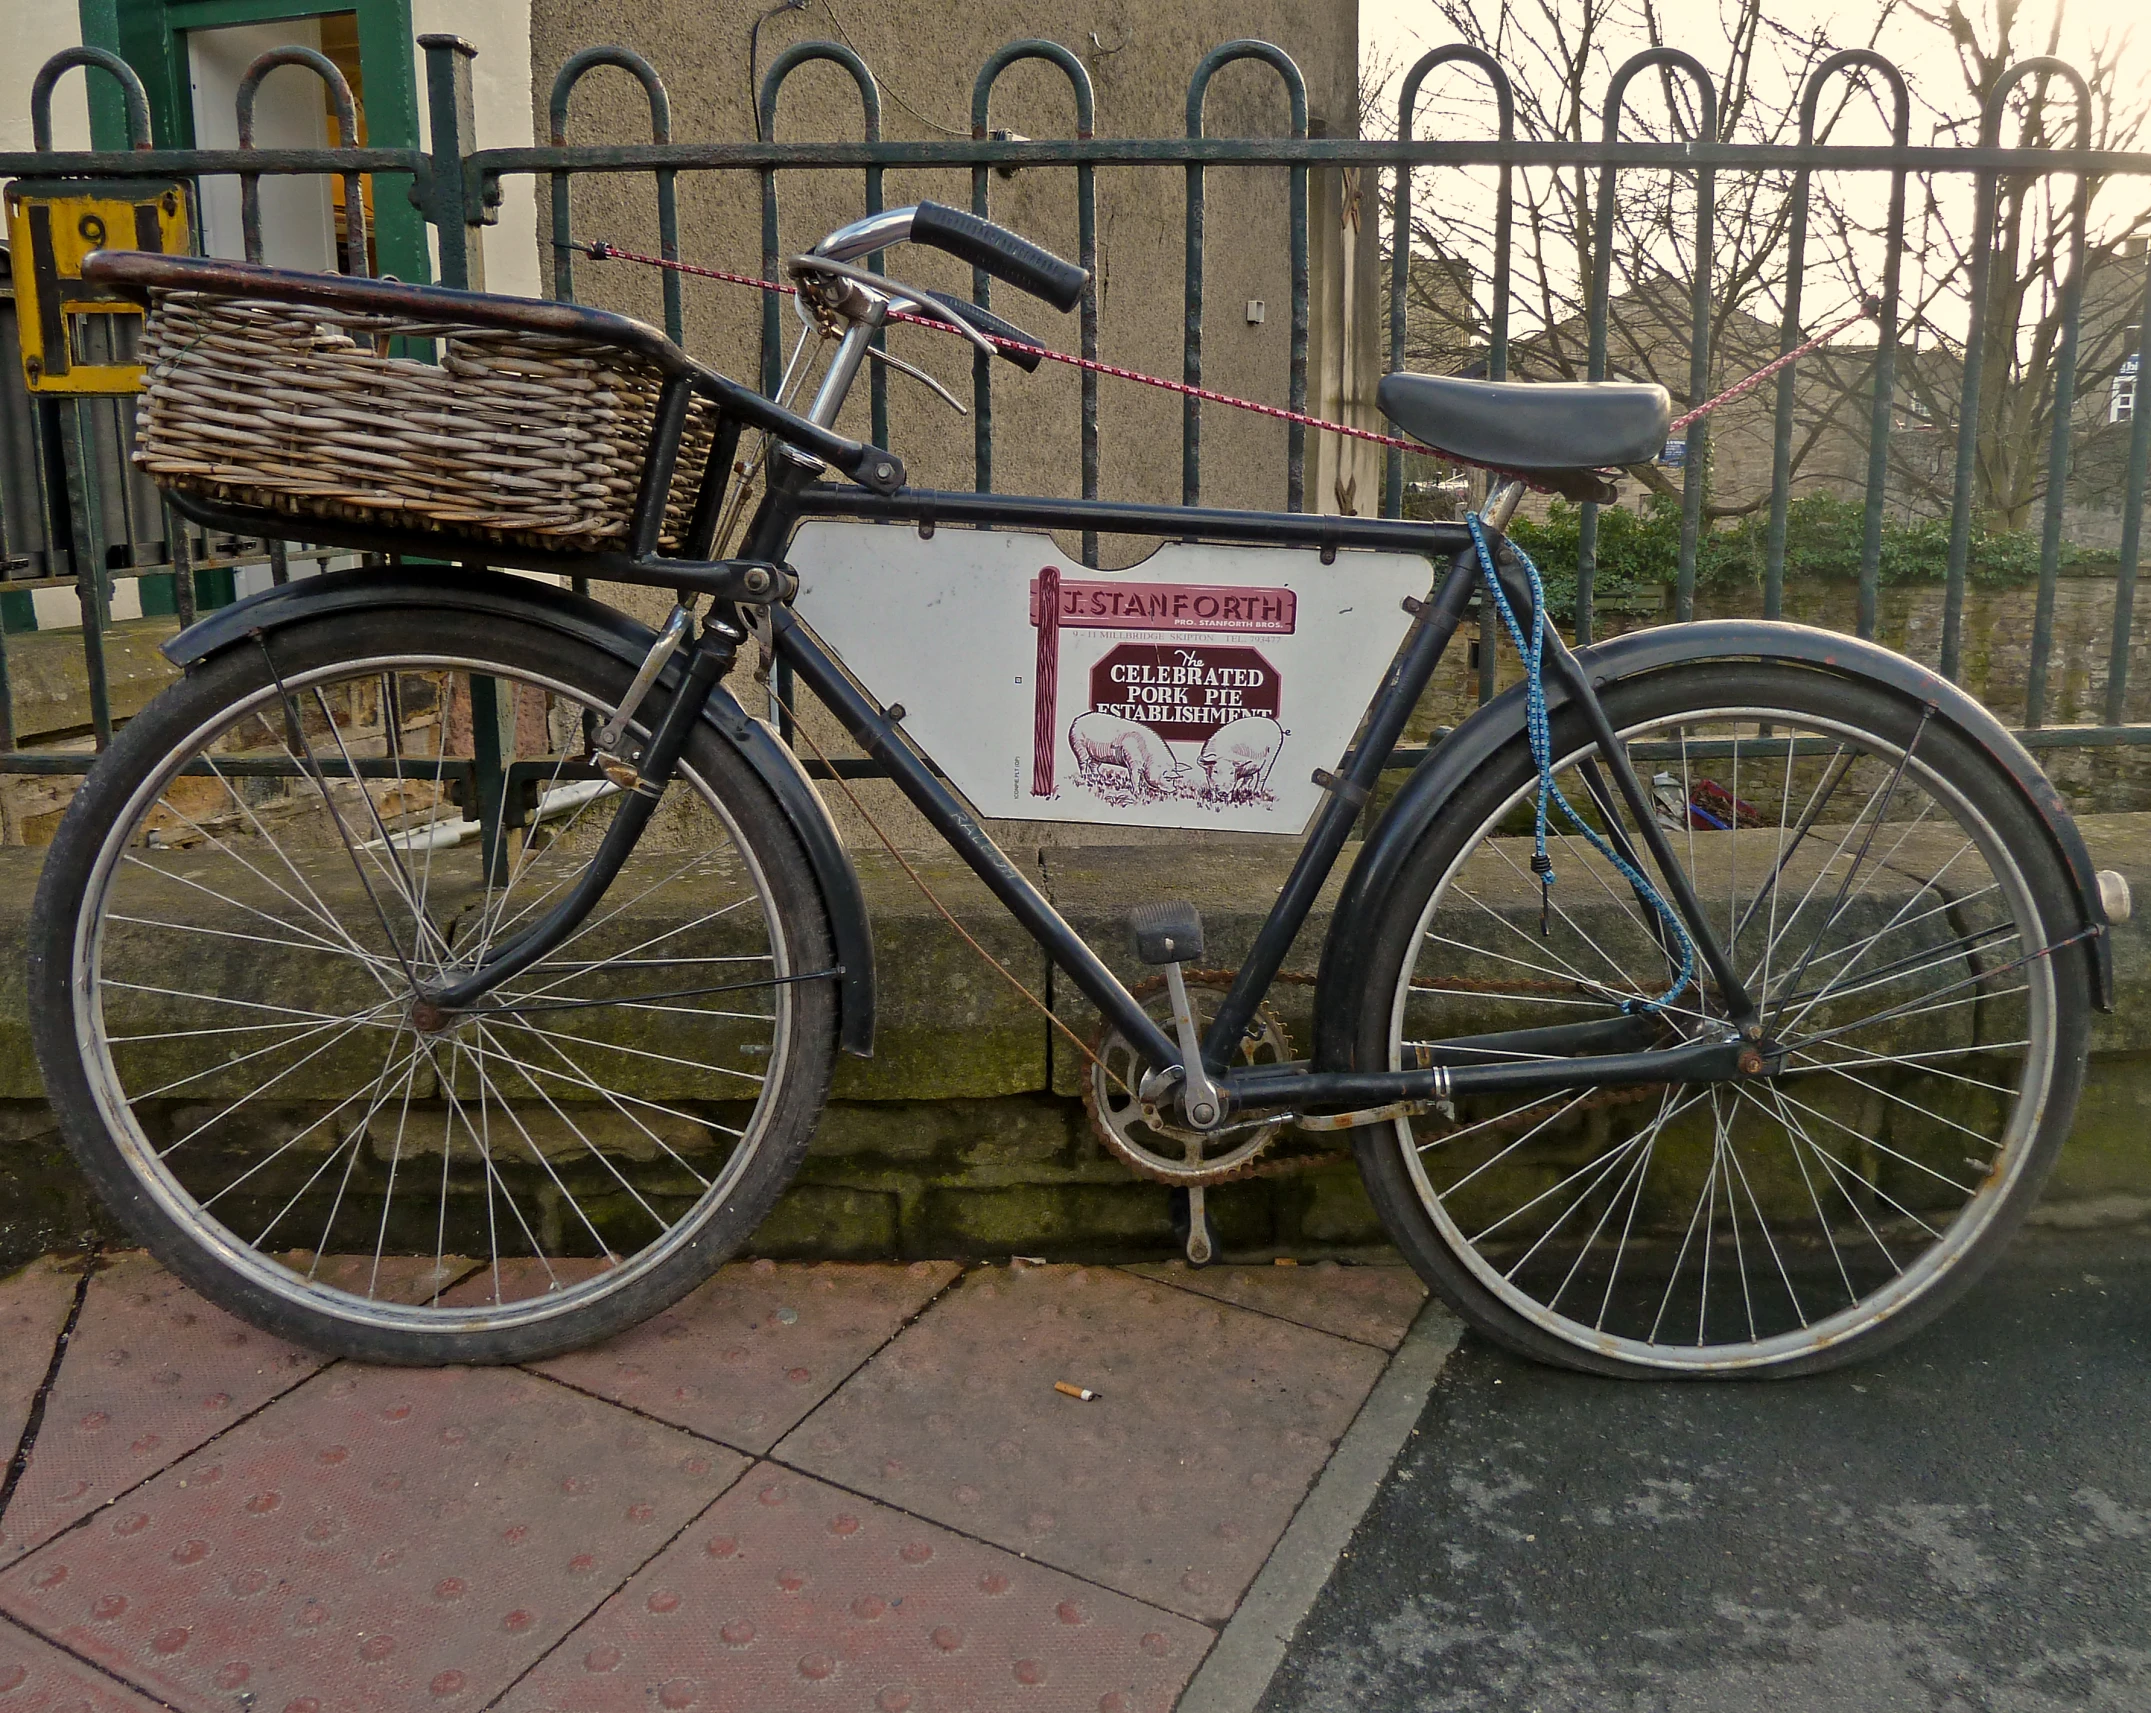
(1757, 1088)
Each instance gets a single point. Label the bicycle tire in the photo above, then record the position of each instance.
(1819, 1213)
(548, 1180)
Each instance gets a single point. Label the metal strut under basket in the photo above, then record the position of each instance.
(445, 424)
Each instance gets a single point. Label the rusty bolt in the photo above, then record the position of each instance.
(1751, 1063)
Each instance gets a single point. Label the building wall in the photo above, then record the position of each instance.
(926, 58)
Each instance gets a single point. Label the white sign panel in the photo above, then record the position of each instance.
(1201, 688)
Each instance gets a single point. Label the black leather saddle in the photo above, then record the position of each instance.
(1555, 434)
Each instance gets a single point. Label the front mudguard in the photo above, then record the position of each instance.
(1346, 952)
(494, 595)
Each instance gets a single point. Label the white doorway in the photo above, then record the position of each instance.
(298, 214)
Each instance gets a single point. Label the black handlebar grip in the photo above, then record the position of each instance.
(1000, 252)
(989, 323)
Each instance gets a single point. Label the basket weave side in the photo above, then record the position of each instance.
(517, 437)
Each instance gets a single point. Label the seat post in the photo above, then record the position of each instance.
(1502, 506)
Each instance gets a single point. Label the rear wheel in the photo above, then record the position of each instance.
(1896, 908)
(268, 864)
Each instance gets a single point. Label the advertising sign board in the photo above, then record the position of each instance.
(1199, 689)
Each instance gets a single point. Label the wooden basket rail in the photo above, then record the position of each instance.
(545, 435)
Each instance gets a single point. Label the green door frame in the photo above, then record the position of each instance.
(151, 36)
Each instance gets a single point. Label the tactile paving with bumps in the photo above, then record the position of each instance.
(790, 1594)
(749, 1354)
(1173, 1486)
(152, 1372)
(380, 1538)
(1375, 1305)
(36, 1677)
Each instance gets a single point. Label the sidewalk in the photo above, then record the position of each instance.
(826, 1486)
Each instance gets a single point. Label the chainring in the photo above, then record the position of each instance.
(1138, 1135)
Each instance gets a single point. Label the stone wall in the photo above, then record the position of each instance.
(964, 1135)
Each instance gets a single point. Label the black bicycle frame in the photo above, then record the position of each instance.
(1435, 621)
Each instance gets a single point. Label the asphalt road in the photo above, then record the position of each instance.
(1961, 1524)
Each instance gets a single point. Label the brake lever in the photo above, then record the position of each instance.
(900, 296)
(918, 374)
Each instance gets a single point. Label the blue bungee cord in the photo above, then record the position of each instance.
(1539, 730)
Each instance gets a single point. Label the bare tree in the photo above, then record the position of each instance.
(1561, 56)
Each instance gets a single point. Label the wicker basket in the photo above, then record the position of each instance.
(514, 437)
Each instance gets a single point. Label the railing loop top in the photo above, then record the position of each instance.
(624, 59)
(1848, 60)
(347, 137)
(1677, 59)
(103, 59)
(1458, 53)
(1051, 52)
(799, 54)
(1270, 54)
(2043, 65)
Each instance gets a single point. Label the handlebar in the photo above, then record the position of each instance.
(995, 249)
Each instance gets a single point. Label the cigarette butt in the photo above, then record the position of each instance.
(1284, 1261)
(1082, 1392)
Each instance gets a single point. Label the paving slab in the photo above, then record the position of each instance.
(381, 1538)
(793, 1595)
(748, 1355)
(33, 1313)
(152, 1372)
(1375, 1305)
(1172, 1486)
(36, 1677)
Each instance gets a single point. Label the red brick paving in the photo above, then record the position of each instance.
(36, 1677)
(790, 1594)
(1375, 1305)
(1173, 1487)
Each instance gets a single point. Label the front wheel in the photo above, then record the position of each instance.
(267, 869)
(1899, 914)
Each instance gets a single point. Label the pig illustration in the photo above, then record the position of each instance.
(1106, 740)
(1236, 762)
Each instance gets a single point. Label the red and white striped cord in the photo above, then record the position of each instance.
(603, 252)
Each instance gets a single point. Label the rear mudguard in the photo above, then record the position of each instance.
(492, 594)
(1349, 947)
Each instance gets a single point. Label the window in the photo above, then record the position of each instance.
(190, 55)
(2121, 397)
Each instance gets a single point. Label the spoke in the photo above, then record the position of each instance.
(311, 768)
(388, 1192)
(1666, 1112)
(333, 951)
(311, 1030)
(1923, 1059)
(1810, 818)
(1597, 1169)
(658, 938)
(1560, 1111)
(1724, 1142)
(248, 1004)
(398, 876)
(1687, 1237)
(1899, 1014)
(1867, 844)
(486, 1083)
(582, 1079)
(1849, 957)
(263, 1088)
(1822, 872)
(1984, 1141)
(375, 963)
(1837, 1172)
(1638, 1148)
(657, 1219)
(1869, 1141)
(644, 1053)
(283, 1148)
(577, 1076)
(1794, 1135)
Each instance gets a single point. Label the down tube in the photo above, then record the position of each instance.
(880, 737)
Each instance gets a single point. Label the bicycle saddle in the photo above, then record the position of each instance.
(1555, 434)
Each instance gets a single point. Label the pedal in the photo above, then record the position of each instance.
(1168, 933)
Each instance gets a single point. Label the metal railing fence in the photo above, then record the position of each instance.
(457, 187)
